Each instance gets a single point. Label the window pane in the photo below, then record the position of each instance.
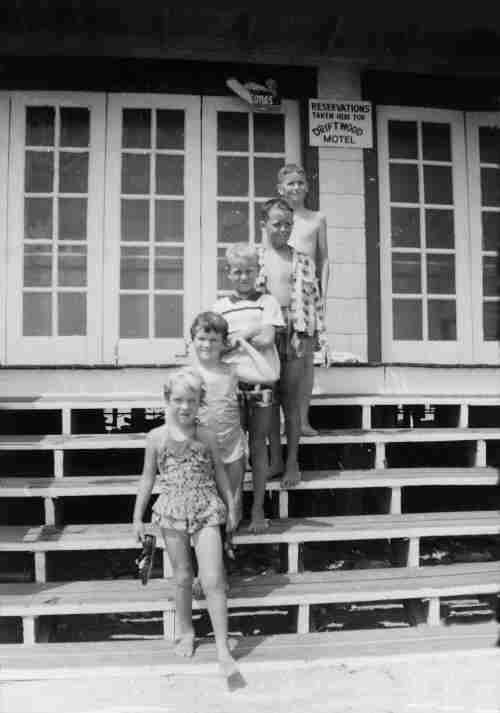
(439, 228)
(232, 222)
(232, 131)
(168, 317)
(169, 221)
(170, 175)
(257, 209)
(37, 314)
(405, 227)
(440, 274)
(491, 276)
(135, 220)
(404, 183)
(232, 176)
(169, 268)
(39, 172)
(442, 320)
(490, 186)
(269, 133)
(40, 125)
(403, 139)
(72, 218)
(74, 171)
(491, 321)
(38, 218)
(37, 265)
(266, 176)
(406, 273)
(72, 266)
(407, 320)
(489, 144)
(438, 186)
(170, 129)
(491, 230)
(135, 174)
(75, 126)
(134, 316)
(222, 280)
(436, 143)
(72, 314)
(136, 128)
(134, 272)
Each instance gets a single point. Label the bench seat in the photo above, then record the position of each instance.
(29, 601)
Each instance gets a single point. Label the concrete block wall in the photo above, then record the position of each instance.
(341, 198)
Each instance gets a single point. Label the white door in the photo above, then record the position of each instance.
(152, 241)
(483, 148)
(424, 240)
(55, 219)
(242, 153)
(4, 163)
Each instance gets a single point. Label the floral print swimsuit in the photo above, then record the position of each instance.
(188, 499)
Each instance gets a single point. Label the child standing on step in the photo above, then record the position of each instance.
(195, 499)
(253, 318)
(309, 237)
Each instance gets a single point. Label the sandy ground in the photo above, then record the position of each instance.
(450, 683)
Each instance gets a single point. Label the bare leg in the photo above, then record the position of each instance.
(276, 464)
(307, 387)
(235, 472)
(292, 374)
(208, 547)
(179, 552)
(259, 426)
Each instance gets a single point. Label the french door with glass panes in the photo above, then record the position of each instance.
(152, 267)
(54, 230)
(242, 153)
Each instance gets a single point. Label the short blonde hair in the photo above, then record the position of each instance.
(289, 168)
(243, 252)
(190, 378)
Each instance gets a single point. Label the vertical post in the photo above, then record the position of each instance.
(169, 624)
(40, 567)
(303, 619)
(413, 557)
(366, 417)
(283, 503)
(463, 416)
(50, 511)
(58, 463)
(28, 630)
(480, 454)
(395, 506)
(380, 456)
(293, 557)
(66, 421)
(433, 613)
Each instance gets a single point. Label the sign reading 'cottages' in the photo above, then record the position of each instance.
(340, 123)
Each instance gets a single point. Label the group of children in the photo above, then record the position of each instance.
(252, 355)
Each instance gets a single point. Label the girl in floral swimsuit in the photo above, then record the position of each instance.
(195, 498)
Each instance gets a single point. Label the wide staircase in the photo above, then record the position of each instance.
(391, 538)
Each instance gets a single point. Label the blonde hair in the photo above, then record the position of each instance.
(190, 378)
(242, 251)
(289, 168)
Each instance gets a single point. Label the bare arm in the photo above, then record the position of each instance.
(267, 373)
(322, 254)
(146, 484)
(264, 338)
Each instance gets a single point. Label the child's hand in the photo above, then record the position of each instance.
(139, 530)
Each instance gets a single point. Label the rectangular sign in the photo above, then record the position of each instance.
(340, 123)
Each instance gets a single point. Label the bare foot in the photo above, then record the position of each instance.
(291, 477)
(258, 523)
(231, 673)
(184, 646)
(275, 468)
(307, 430)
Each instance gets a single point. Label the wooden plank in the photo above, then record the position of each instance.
(311, 480)
(100, 596)
(291, 530)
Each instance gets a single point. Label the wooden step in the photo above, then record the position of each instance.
(289, 531)
(30, 601)
(108, 659)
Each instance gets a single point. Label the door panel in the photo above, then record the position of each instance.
(152, 255)
(55, 228)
